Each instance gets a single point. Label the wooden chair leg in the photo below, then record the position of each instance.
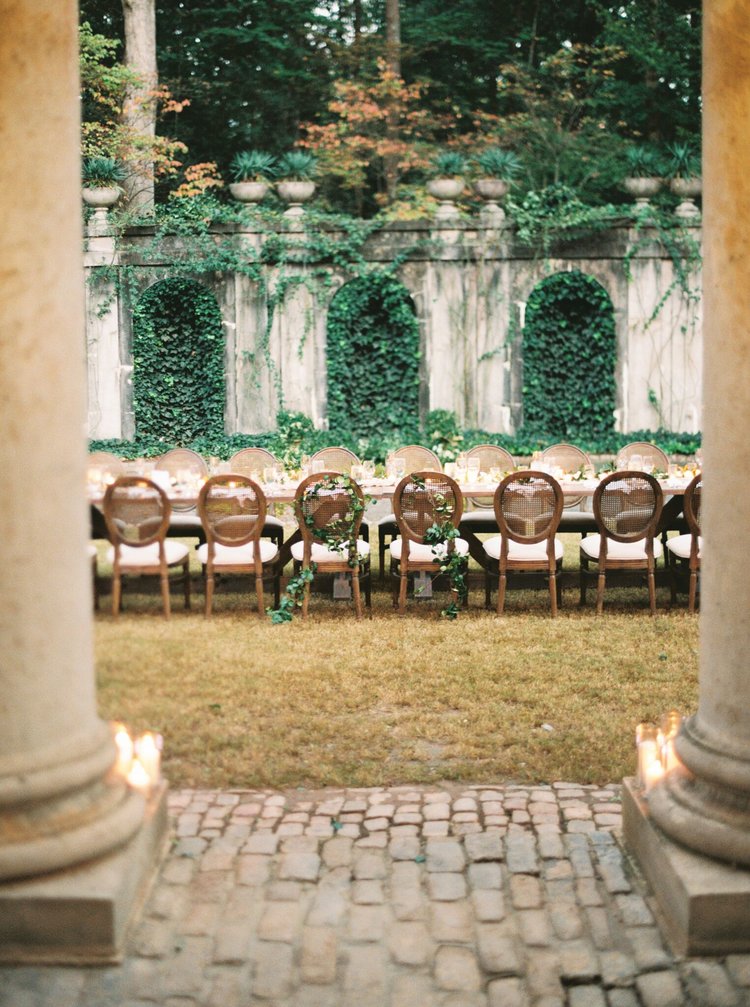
(186, 574)
(305, 599)
(116, 593)
(692, 591)
(356, 592)
(164, 577)
(583, 571)
(368, 586)
(381, 553)
(651, 591)
(600, 592)
(403, 587)
(259, 591)
(209, 581)
(501, 585)
(553, 592)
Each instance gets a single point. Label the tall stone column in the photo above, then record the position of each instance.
(705, 806)
(59, 803)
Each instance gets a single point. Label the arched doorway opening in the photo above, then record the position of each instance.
(373, 357)
(569, 352)
(178, 362)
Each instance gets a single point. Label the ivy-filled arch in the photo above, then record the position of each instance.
(569, 352)
(178, 362)
(373, 357)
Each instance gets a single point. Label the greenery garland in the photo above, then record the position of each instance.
(441, 535)
(338, 535)
(569, 353)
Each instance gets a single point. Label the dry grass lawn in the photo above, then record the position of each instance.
(244, 703)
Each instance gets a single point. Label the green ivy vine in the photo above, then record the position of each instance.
(440, 535)
(373, 357)
(569, 358)
(178, 362)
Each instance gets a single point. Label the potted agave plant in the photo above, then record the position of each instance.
(497, 169)
(102, 178)
(447, 182)
(685, 180)
(644, 171)
(297, 170)
(251, 171)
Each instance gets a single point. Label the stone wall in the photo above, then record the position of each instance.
(469, 286)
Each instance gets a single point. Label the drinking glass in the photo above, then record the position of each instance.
(635, 463)
(472, 470)
(368, 468)
(399, 468)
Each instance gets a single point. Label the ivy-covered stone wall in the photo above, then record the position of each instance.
(468, 289)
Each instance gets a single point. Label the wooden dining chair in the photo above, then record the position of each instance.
(652, 458)
(415, 458)
(577, 515)
(627, 507)
(232, 508)
(685, 550)
(335, 459)
(252, 462)
(417, 503)
(330, 503)
(528, 507)
(184, 522)
(481, 518)
(137, 513)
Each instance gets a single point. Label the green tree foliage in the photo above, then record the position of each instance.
(178, 363)
(373, 358)
(569, 358)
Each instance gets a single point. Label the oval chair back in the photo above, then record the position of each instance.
(180, 460)
(653, 459)
(336, 459)
(423, 499)
(528, 507)
(569, 458)
(418, 458)
(136, 512)
(252, 461)
(490, 456)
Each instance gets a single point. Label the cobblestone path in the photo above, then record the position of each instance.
(482, 896)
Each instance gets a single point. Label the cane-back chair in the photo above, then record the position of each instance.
(107, 463)
(652, 459)
(422, 500)
(336, 459)
(329, 508)
(137, 513)
(184, 522)
(577, 515)
(252, 462)
(233, 511)
(482, 516)
(685, 550)
(415, 458)
(528, 507)
(627, 507)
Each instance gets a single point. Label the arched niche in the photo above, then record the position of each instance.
(178, 362)
(373, 358)
(569, 355)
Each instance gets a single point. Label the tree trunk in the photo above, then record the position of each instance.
(393, 62)
(139, 113)
(393, 36)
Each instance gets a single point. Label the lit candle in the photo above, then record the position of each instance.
(138, 778)
(652, 773)
(669, 756)
(648, 750)
(124, 744)
(148, 750)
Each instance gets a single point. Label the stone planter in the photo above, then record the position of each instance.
(446, 190)
(249, 192)
(295, 193)
(642, 189)
(491, 190)
(101, 198)
(687, 189)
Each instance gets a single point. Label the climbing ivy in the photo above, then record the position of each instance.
(178, 363)
(373, 357)
(569, 358)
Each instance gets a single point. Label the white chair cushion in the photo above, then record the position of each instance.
(387, 519)
(321, 555)
(619, 550)
(238, 555)
(680, 546)
(148, 555)
(92, 551)
(534, 552)
(483, 516)
(421, 553)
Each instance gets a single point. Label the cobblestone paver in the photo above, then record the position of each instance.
(450, 896)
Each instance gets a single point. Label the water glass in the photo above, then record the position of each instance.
(635, 463)
(472, 470)
(368, 468)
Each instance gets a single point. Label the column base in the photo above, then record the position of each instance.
(705, 904)
(82, 915)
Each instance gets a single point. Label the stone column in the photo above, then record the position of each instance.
(702, 808)
(59, 804)
(709, 809)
